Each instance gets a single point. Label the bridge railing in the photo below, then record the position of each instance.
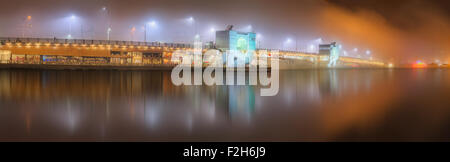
(4, 40)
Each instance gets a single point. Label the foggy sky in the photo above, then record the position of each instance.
(391, 29)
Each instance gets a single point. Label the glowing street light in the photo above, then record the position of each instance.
(250, 28)
(72, 20)
(289, 40)
(368, 52)
(287, 43)
(311, 48)
(355, 50)
(69, 36)
(258, 40)
(133, 30)
(258, 36)
(27, 25)
(151, 24)
(108, 33)
(191, 21)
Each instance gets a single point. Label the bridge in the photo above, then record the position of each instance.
(69, 52)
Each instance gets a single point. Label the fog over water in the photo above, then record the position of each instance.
(406, 30)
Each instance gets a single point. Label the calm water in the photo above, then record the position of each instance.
(312, 105)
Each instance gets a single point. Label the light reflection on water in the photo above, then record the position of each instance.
(313, 105)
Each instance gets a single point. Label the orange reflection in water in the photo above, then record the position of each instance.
(313, 105)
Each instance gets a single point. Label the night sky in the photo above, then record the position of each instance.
(392, 29)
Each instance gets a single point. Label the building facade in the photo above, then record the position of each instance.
(239, 46)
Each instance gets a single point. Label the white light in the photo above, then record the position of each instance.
(289, 40)
(73, 17)
(197, 36)
(104, 8)
(152, 23)
(69, 36)
(345, 53)
(250, 28)
(319, 40)
(258, 36)
(368, 52)
(355, 50)
(190, 19)
(212, 30)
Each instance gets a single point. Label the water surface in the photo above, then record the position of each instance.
(312, 105)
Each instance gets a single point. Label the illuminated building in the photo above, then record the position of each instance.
(242, 44)
(330, 50)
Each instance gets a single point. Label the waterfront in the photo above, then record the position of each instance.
(312, 105)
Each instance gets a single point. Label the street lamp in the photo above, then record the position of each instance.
(311, 48)
(191, 22)
(133, 30)
(286, 43)
(250, 28)
(27, 25)
(108, 33)
(258, 40)
(72, 20)
(149, 24)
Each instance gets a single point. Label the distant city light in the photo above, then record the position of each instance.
(69, 36)
(355, 50)
(368, 52)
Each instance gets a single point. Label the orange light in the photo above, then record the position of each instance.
(419, 64)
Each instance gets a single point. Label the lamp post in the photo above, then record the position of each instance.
(108, 33)
(192, 22)
(149, 24)
(133, 30)
(72, 20)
